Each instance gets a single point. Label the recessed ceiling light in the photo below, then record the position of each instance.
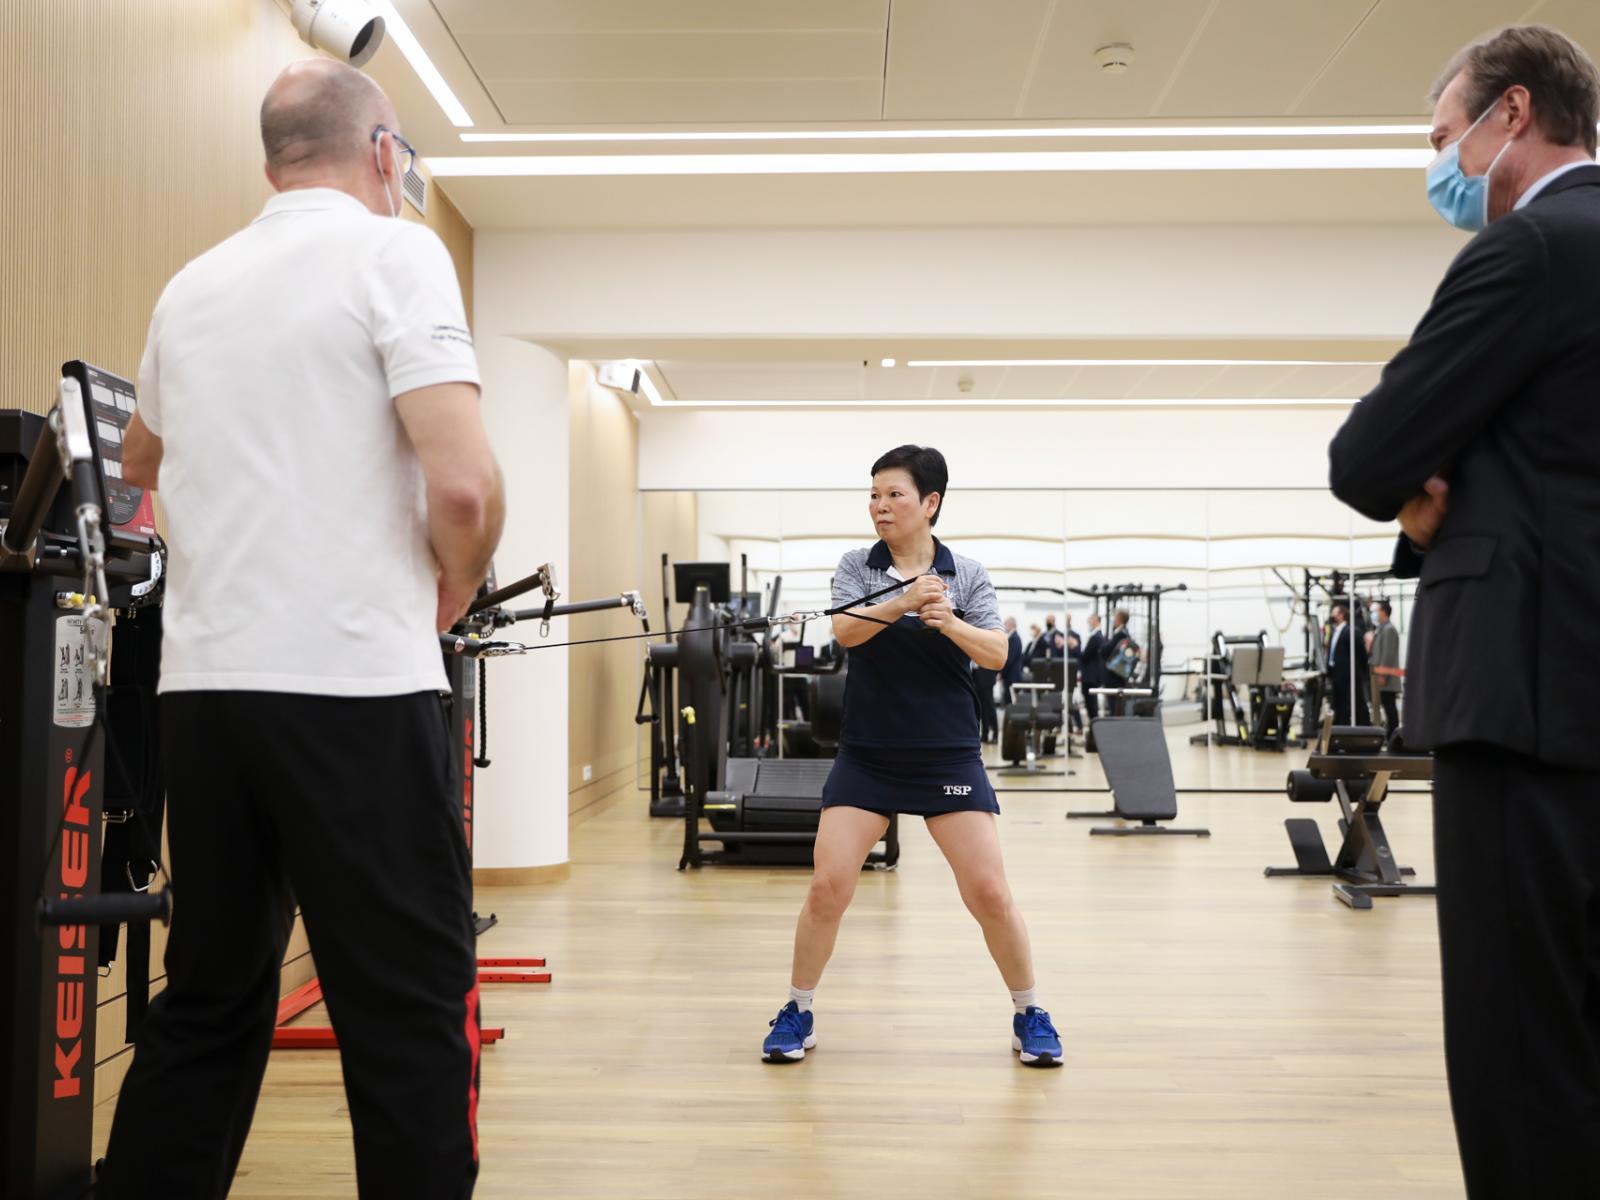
(890, 135)
(887, 362)
(422, 64)
(505, 166)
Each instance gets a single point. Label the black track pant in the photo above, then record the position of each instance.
(1517, 845)
(1391, 711)
(347, 804)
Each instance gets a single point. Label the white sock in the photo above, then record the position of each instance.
(802, 997)
(1025, 999)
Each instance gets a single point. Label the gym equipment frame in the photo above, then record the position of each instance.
(1351, 765)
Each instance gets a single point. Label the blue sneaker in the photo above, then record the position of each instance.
(1035, 1038)
(793, 1033)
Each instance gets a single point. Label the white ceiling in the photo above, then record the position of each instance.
(646, 62)
(655, 65)
(673, 65)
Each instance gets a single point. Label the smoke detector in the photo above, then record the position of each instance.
(1115, 58)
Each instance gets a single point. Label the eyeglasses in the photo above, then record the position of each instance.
(408, 156)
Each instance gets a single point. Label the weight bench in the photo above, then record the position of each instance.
(1133, 751)
(1350, 764)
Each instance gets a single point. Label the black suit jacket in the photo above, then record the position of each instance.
(1339, 645)
(1499, 390)
(1012, 671)
(1094, 660)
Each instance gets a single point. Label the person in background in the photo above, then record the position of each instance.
(1342, 643)
(1012, 672)
(1385, 660)
(1094, 666)
(1031, 650)
(1074, 654)
(1481, 440)
(983, 679)
(1051, 644)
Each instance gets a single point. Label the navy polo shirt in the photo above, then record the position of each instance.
(910, 687)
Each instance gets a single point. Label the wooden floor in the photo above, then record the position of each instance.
(1226, 1035)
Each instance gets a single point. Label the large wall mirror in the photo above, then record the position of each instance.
(1244, 563)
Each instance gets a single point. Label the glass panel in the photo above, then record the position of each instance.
(1239, 562)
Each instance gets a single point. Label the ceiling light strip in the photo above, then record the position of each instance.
(395, 26)
(970, 402)
(884, 135)
(1144, 362)
(508, 166)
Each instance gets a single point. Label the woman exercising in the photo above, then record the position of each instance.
(910, 744)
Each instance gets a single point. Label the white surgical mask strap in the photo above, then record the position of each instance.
(378, 160)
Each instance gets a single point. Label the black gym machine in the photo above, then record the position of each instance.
(79, 572)
(1266, 720)
(1130, 737)
(761, 810)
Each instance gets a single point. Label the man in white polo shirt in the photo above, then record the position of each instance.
(309, 406)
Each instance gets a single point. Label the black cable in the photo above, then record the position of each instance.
(757, 623)
(481, 759)
(84, 751)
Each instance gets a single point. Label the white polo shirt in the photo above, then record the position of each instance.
(296, 510)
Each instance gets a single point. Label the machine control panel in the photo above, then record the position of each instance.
(111, 404)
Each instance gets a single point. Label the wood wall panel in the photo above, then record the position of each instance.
(603, 681)
(132, 145)
(617, 537)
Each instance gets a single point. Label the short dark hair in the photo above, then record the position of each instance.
(926, 467)
(1383, 606)
(1339, 606)
(1559, 76)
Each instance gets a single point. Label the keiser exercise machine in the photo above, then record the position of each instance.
(1350, 764)
(66, 563)
(761, 811)
(1248, 662)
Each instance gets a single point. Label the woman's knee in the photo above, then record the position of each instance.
(988, 899)
(830, 895)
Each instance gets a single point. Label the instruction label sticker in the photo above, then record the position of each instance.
(74, 676)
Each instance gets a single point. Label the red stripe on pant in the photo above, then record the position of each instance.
(475, 1047)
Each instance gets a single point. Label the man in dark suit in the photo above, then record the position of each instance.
(1385, 657)
(1342, 643)
(1483, 439)
(1094, 666)
(1012, 672)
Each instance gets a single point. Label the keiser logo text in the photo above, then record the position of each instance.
(71, 964)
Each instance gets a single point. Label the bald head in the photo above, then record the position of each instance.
(318, 115)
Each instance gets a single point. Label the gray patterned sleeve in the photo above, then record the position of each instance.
(849, 580)
(983, 606)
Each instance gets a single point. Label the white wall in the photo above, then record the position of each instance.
(1194, 282)
(522, 799)
(649, 292)
(699, 449)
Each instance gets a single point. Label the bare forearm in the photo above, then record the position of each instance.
(852, 630)
(986, 647)
(464, 526)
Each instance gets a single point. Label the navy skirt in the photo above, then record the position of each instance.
(924, 783)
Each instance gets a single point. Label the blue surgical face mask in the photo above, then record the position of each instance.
(1462, 199)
